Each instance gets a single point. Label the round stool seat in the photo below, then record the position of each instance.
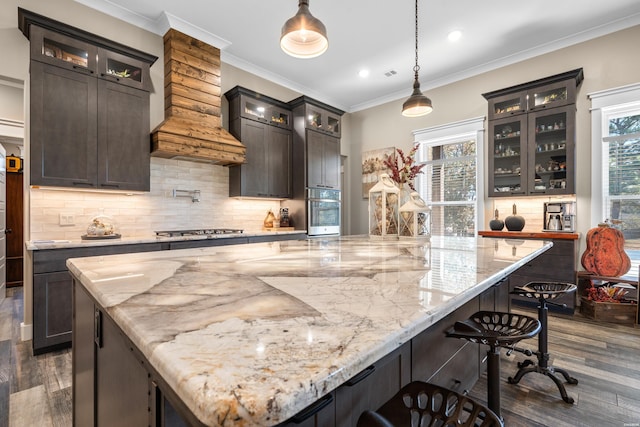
(425, 404)
(546, 290)
(495, 328)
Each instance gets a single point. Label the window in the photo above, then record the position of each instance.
(450, 182)
(616, 160)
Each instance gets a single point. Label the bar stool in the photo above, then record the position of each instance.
(424, 404)
(543, 292)
(496, 330)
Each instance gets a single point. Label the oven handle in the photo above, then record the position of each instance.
(324, 200)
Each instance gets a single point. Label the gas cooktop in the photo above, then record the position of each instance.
(198, 232)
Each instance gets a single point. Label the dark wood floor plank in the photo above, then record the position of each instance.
(60, 407)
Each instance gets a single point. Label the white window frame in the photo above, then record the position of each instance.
(455, 132)
(606, 104)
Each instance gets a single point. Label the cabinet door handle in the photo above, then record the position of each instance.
(110, 185)
(8, 231)
(517, 192)
(97, 327)
(361, 376)
(110, 77)
(86, 184)
(312, 409)
(83, 69)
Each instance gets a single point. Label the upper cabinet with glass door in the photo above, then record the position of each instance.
(254, 106)
(322, 120)
(63, 51)
(532, 137)
(508, 156)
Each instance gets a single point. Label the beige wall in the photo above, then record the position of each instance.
(11, 102)
(608, 61)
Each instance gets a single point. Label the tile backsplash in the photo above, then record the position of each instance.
(139, 215)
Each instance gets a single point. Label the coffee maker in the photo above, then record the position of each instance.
(560, 217)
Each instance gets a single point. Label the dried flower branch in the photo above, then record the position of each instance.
(402, 168)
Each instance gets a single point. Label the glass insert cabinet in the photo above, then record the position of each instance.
(531, 137)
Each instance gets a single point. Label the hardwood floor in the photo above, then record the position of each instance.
(34, 391)
(605, 358)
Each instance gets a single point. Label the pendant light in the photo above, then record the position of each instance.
(417, 105)
(304, 36)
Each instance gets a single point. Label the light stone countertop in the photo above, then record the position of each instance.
(35, 245)
(252, 334)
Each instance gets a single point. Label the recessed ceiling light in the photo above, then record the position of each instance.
(454, 35)
(363, 73)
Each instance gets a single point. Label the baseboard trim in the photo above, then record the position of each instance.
(26, 332)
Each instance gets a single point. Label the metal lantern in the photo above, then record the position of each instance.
(415, 218)
(383, 208)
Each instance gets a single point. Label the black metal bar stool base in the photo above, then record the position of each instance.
(543, 292)
(549, 371)
(496, 330)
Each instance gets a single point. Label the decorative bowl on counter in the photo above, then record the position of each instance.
(101, 227)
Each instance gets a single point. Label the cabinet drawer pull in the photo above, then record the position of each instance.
(361, 376)
(312, 409)
(83, 69)
(110, 77)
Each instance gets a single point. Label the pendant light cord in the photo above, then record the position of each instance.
(416, 68)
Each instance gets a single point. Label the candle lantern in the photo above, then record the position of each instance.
(383, 208)
(415, 218)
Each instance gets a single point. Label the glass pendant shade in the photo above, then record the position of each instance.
(417, 105)
(304, 36)
(383, 208)
(415, 218)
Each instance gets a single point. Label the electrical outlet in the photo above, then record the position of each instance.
(66, 219)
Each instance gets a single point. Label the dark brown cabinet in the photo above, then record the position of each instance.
(316, 146)
(532, 137)
(89, 109)
(323, 160)
(263, 125)
(52, 310)
(123, 137)
(64, 127)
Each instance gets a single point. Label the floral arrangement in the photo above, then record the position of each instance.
(606, 293)
(402, 168)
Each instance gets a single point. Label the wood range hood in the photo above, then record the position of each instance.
(192, 98)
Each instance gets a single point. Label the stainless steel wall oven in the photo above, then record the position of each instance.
(323, 212)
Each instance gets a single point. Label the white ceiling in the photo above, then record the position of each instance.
(379, 36)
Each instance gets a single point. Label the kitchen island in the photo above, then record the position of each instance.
(253, 334)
